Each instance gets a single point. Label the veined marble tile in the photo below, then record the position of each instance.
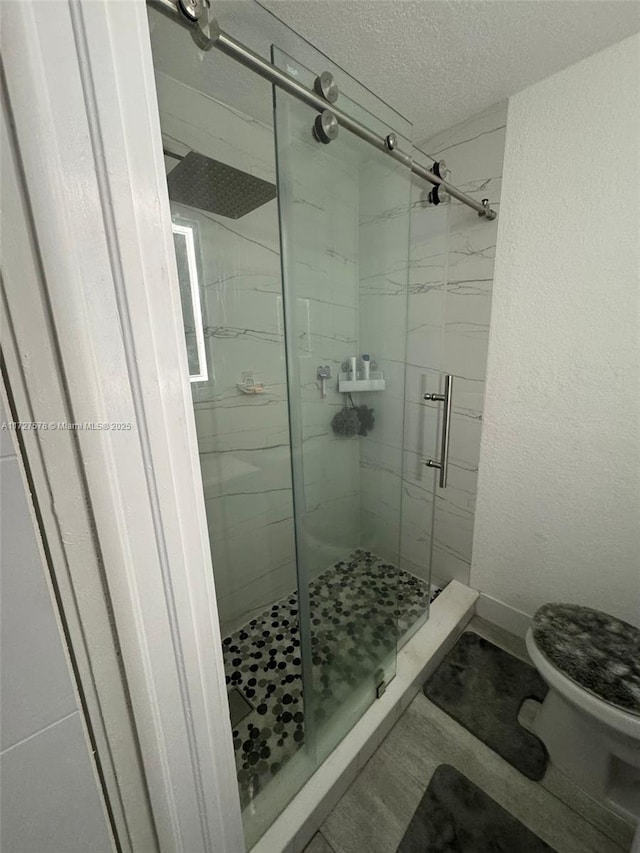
(474, 147)
(421, 379)
(257, 550)
(329, 479)
(385, 321)
(387, 431)
(351, 289)
(447, 566)
(241, 605)
(321, 221)
(325, 530)
(415, 471)
(417, 525)
(380, 500)
(415, 554)
(318, 414)
(428, 233)
(381, 494)
(385, 209)
(466, 429)
(247, 438)
(422, 429)
(195, 121)
(232, 350)
(394, 375)
(383, 247)
(230, 312)
(424, 343)
(461, 489)
(234, 411)
(334, 324)
(465, 349)
(239, 513)
(453, 528)
(384, 533)
(450, 529)
(251, 242)
(376, 456)
(246, 471)
(427, 272)
(472, 247)
(236, 600)
(382, 460)
(417, 504)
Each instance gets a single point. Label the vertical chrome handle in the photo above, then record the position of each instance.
(447, 399)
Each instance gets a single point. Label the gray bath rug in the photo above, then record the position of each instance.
(455, 816)
(482, 687)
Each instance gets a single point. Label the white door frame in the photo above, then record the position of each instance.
(92, 332)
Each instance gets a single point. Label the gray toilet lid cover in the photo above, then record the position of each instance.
(598, 651)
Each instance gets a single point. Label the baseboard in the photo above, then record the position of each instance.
(301, 819)
(503, 615)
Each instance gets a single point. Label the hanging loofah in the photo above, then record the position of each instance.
(346, 422)
(366, 418)
(353, 420)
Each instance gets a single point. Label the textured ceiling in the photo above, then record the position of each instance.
(438, 62)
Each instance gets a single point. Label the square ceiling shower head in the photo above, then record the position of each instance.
(207, 184)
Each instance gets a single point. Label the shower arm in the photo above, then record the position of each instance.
(190, 12)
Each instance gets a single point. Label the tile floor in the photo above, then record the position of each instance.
(359, 609)
(375, 811)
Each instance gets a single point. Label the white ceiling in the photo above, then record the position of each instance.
(439, 61)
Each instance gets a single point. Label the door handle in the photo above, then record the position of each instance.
(447, 399)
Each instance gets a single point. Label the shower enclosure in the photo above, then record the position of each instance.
(292, 246)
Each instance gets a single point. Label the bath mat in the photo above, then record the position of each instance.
(455, 816)
(482, 687)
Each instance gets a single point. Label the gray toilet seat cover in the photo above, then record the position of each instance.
(597, 651)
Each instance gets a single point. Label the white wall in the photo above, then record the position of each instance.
(50, 798)
(558, 513)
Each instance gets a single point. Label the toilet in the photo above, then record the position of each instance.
(590, 719)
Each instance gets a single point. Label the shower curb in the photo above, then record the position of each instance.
(300, 820)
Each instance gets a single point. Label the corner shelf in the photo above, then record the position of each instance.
(374, 383)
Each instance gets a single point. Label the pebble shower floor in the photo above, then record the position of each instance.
(359, 608)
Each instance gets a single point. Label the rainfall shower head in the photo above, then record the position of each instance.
(207, 184)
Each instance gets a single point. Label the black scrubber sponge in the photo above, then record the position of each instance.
(346, 422)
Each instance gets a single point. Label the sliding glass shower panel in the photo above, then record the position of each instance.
(302, 473)
(228, 259)
(344, 220)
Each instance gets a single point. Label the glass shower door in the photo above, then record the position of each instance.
(344, 226)
(303, 490)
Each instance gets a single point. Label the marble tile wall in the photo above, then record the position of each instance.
(346, 222)
(450, 282)
(384, 240)
(319, 218)
(243, 439)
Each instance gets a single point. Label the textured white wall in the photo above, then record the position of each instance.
(558, 512)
